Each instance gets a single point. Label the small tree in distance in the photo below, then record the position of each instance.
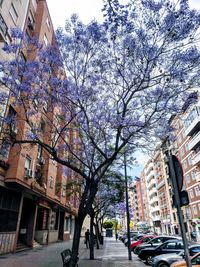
(107, 224)
(124, 80)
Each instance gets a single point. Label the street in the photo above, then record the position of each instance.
(112, 254)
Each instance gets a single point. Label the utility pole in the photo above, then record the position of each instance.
(127, 209)
(174, 181)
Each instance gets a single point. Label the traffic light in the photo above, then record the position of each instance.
(184, 199)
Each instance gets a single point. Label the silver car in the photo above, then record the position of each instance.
(165, 260)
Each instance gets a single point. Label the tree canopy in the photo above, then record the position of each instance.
(108, 85)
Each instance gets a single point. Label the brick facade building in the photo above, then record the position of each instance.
(34, 205)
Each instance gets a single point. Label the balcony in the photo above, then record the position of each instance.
(150, 176)
(153, 199)
(3, 28)
(194, 142)
(153, 191)
(160, 184)
(155, 209)
(194, 122)
(156, 218)
(151, 184)
(196, 159)
(198, 176)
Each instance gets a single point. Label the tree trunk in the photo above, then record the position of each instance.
(92, 235)
(76, 240)
(97, 233)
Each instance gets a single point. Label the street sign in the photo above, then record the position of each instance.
(178, 171)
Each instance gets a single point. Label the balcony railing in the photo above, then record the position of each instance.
(155, 209)
(196, 159)
(156, 218)
(153, 199)
(198, 176)
(3, 26)
(160, 184)
(192, 126)
(194, 141)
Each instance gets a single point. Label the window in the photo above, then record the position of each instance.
(179, 139)
(191, 193)
(63, 191)
(197, 190)
(31, 22)
(45, 40)
(28, 163)
(13, 13)
(5, 149)
(170, 245)
(190, 160)
(196, 260)
(179, 245)
(51, 182)
(182, 151)
(187, 178)
(186, 147)
(194, 209)
(67, 224)
(191, 117)
(157, 240)
(39, 154)
(185, 164)
(48, 22)
(193, 175)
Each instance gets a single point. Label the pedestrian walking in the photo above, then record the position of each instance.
(87, 238)
(116, 236)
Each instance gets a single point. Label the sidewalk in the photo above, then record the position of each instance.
(112, 254)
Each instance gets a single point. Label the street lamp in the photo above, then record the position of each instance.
(127, 209)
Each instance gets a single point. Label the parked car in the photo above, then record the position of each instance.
(143, 239)
(170, 246)
(195, 260)
(154, 242)
(165, 260)
(132, 234)
(134, 238)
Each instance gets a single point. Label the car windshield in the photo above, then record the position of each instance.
(147, 239)
(156, 240)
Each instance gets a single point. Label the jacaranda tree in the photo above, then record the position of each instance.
(113, 84)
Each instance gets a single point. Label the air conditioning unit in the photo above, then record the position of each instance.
(28, 173)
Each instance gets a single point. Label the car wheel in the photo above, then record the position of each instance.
(135, 250)
(149, 260)
(163, 264)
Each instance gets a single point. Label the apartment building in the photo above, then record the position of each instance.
(34, 206)
(12, 14)
(156, 175)
(133, 204)
(152, 196)
(144, 197)
(188, 140)
(140, 204)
